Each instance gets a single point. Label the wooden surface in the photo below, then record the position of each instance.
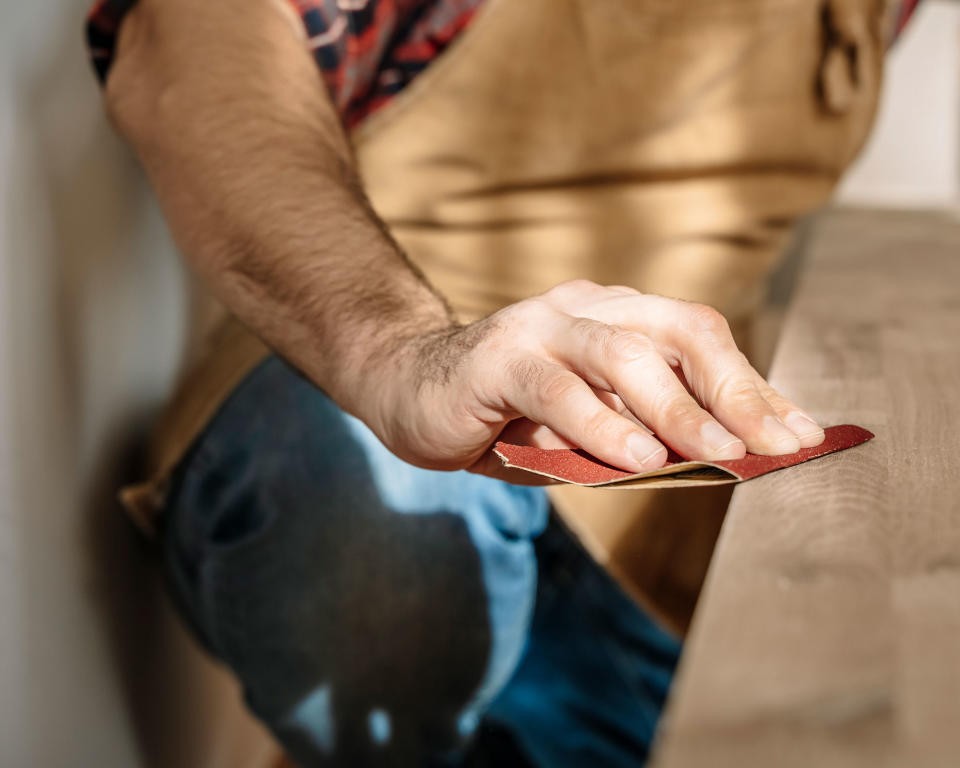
(828, 632)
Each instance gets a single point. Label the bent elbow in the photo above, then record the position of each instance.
(131, 89)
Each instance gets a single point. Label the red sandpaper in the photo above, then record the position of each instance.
(580, 468)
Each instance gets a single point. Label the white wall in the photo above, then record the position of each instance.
(913, 156)
(90, 330)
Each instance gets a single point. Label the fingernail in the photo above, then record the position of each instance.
(802, 425)
(722, 443)
(780, 435)
(645, 449)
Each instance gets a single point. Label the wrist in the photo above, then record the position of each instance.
(418, 384)
(386, 361)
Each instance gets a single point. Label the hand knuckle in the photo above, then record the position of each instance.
(613, 345)
(734, 390)
(526, 319)
(526, 374)
(707, 320)
(631, 348)
(670, 410)
(572, 289)
(625, 289)
(593, 335)
(597, 427)
(676, 415)
(578, 284)
(557, 389)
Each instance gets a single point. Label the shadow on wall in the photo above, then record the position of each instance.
(97, 310)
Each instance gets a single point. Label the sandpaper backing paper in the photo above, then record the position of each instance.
(580, 468)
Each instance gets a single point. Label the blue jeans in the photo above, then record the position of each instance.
(381, 614)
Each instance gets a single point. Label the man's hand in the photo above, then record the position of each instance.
(224, 106)
(597, 367)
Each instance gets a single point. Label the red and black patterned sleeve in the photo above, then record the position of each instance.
(367, 50)
(102, 25)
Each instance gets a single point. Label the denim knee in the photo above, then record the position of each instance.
(371, 609)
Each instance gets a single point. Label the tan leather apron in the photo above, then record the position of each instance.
(664, 144)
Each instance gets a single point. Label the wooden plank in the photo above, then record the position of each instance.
(828, 633)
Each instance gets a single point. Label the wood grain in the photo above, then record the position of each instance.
(828, 632)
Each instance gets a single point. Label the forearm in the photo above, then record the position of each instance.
(226, 110)
(228, 114)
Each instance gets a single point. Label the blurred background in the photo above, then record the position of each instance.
(91, 331)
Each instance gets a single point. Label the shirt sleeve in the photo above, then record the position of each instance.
(366, 50)
(102, 25)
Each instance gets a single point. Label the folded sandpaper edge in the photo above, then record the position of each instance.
(580, 468)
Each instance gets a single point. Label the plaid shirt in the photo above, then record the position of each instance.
(367, 50)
